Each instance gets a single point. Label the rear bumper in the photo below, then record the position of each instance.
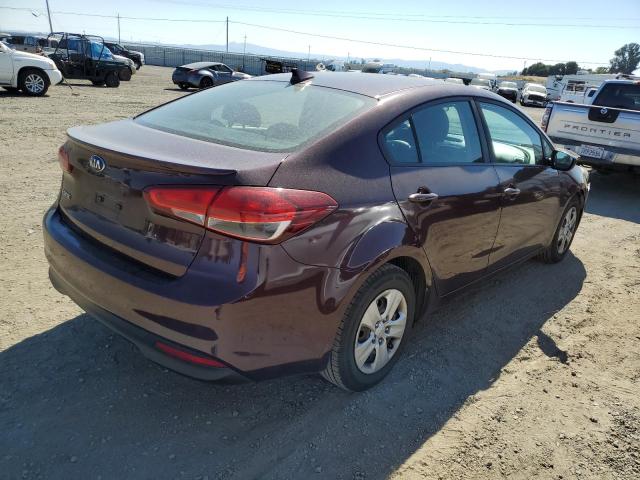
(614, 158)
(185, 78)
(144, 340)
(251, 306)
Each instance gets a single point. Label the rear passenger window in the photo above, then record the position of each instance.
(447, 133)
(400, 144)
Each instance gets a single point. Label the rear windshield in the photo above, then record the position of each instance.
(619, 95)
(259, 115)
(480, 81)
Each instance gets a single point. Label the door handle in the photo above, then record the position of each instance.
(512, 192)
(422, 197)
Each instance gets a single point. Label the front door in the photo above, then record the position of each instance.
(531, 199)
(6, 65)
(446, 187)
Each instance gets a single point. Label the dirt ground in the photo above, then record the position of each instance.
(534, 374)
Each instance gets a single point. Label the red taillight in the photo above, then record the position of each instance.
(545, 118)
(63, 159)
(266, 214)
(259, 214)
(188, 357)
(189, 204)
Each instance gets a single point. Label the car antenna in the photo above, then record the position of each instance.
(298, 76)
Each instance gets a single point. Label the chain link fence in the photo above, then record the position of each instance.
(252, 64)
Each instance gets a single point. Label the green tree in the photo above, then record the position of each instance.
(602, 70)
(626, 58)
(537, 69)
(571, 68)
(557, 69)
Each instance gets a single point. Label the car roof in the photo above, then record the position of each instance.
(201, 64)
(369, 84)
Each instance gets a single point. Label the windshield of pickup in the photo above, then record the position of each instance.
(508, 85)
(619, 95)
(481, 82)
(537, 89)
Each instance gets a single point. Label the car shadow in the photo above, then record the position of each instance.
(615, 195)
(7, 94)
(78, 402)
(189, 90)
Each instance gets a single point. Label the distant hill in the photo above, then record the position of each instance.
(235, 47)
(419, 64)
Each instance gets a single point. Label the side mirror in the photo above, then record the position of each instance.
(563, 160)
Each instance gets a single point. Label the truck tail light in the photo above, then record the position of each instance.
(545, 117)
(257, 214)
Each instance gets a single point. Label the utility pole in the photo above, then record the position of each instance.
(244, 50)
(49, 15)
(118, 27)
(227, 34)
(308, 57)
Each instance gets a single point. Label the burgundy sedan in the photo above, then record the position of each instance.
(301, 223)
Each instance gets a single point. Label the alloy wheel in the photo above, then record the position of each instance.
(380, 331)
(34, 83)
(567, 229)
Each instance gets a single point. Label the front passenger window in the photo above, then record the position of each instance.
(514, 141)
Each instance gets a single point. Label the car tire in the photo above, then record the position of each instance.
(138, 65)
(564, 234)
(183, 86)
(206, 82)
(33, 82)
(354, 335)
(125, 74)
(112, 80)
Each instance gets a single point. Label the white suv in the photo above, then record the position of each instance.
(27, 72)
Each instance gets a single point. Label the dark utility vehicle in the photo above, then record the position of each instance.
(298, 223)
(85, 57)
(136, 57)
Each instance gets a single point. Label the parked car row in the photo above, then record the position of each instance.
(31, 64)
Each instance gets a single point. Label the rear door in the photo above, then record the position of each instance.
(446, 187)
(531, 200)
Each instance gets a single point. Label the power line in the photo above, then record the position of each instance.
(79, 14)
(409, 47)
(351, 16)
(316, 35)
(360, 14)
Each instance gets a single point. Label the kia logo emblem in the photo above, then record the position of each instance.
(604, 111)
(97, 164)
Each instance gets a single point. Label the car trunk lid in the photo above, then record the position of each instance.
(112, 165)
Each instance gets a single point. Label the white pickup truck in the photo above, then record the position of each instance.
(606, 132)
(27, 72)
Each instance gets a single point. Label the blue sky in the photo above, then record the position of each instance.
(388, 22)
